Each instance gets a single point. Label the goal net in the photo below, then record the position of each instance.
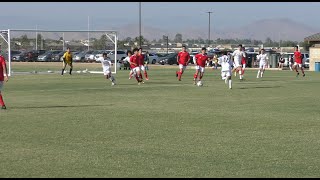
(40, 51)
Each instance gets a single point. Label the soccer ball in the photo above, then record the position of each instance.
(199, 83)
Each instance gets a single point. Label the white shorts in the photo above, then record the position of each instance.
(262, 65)
(225, 73)
(201, 69)
(1, 85)
(181, 66)
(106, 71)
(297, 64)
(136, 69)
(237, 64)
(142, 68)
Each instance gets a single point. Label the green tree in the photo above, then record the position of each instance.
(25, 42)
(178, 38)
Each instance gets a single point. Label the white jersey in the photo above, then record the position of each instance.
(262, 58)
(237, 57)
(127, 59)
(106, 63)
(225, 63)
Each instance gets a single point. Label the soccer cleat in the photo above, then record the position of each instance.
(3, 107)
(297, 75)
(147, 79)
(112, 84)
(176, 74)
(304, 75)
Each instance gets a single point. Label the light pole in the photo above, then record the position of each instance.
(140, 24)
(209, 29)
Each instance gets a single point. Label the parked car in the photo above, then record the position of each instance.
(192, 54)
(121, 55)
(18, 57)
(169, 59)
(306, 63)
(48, 56)
(153, 58)
(87, 55)
(58, 56)
(97, 56)
(80, 57)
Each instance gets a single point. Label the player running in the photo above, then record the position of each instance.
(134, 65)
(106, 65)
(3, 71)
(141, 65)
(183, 59)
(263, 61)
(127, 59)
(200, 63)
(244, 60)
(298, 61)
(226, 63)
(237, 57)
(67, 59)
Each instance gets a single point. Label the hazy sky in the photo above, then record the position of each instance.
(165, 15)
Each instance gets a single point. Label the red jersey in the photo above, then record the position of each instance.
(298, 57)
(201, 59)
(183, 57)
(243, 60)
(134, 59)
(2, 64)
(141, 59)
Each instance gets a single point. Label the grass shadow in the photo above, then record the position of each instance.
(261, 87)
(56, 106)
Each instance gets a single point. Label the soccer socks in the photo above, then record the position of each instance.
(146, 74)
(258, 74)
(179, 75)
(70, 71)
(230, 84)
(1, 100)
(62, 71)
(195, 76)
(240, 74)
(262, 74)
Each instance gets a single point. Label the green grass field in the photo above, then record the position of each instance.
(80, 126)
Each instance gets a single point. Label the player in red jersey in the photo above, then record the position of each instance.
(141, 64)
(134, 65)
(3, 70)
(200, 63)
(183, 59)
(298, 61)
(244, 60)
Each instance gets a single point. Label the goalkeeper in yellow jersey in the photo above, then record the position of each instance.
(67, 59)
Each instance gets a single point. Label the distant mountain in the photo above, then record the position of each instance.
(286, 29)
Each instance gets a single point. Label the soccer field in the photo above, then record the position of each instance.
(80, 126)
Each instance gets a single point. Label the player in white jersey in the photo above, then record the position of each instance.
(127, 59)
(237, 57)
(263, 62)
(226, 74)
(106, 64)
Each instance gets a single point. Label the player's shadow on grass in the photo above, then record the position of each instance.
(56, 106)
(261, 87)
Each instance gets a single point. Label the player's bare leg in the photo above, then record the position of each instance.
(145, 73)
(201, 75)
(295, 67)
(259, 71)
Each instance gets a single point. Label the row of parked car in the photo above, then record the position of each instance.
(78, 56)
